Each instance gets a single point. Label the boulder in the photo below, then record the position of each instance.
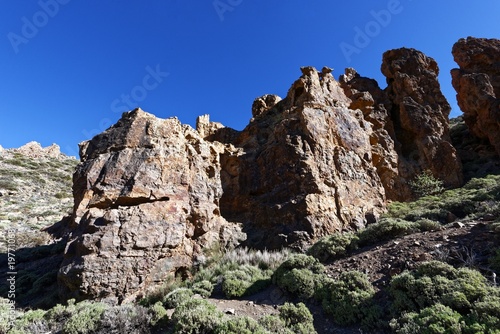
(477, 83)
(146, 206)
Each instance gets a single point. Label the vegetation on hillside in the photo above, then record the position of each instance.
(433, 297)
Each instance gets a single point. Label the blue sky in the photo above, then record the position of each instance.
(69, 68)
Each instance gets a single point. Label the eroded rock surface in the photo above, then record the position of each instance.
(305, 168)
(151, 195)
(410, 121)
(477, 83)
(146, 205)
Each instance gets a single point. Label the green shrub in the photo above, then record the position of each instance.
(349, 299)
(300, 282)
(438, 287)
(203, 288)
(158, 314)
(298, 318)
(436, 319)
(425, 184)
(196, 316)
(84, 318)
(298, 261)
(244, 281)
(300, 274)
(240, 325)
(159, 292)
(486, 314)
(474, 200)
(334, 246)
(274, 324)
(124, 319)
(176, 297)
(426, 224)
(31, 321)
(412, 291)
(386, 229)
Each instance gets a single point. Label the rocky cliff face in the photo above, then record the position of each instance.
(152, 194)
(477, 83)
(146, 203)
(410, 121)
(304, 168)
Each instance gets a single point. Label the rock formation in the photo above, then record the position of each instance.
(304, 168)
(151, 195)
(477, 83)
(410, 121)
(35, 150)
(146, 203)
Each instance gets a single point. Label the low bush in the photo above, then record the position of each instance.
(240, 325)
(196, 316)
(297, 317)
(301, 275)
(274, 324)
(176, 297)
(31, 321)
(245, 280)
(349, 299)
(425, 184)
(435, 319)
(203, 288)
(437, 296)
(124, 319)
(476, 199)
(386, 229)
(84, 318)
(333, 247)
(158, 314)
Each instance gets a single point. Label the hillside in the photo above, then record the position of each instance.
(35, 191)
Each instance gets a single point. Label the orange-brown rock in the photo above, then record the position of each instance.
(152, 194)
(367, 96)
(146, 205)
(477, 83)
(410, 121)
(304, 168)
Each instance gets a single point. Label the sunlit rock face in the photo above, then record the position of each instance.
(409, 119)
(146, 205)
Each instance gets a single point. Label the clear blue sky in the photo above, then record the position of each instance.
(70, 67)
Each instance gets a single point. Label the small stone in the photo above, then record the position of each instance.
(230, 311)
(458, 224)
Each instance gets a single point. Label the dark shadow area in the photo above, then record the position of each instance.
(36, 271)
(478, 156)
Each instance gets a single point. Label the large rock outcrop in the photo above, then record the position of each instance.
(152, 194)
(304, 168)
(410, 121)
(477, 83)
(146, 205)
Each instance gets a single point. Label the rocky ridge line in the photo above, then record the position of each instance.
(152, 195)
